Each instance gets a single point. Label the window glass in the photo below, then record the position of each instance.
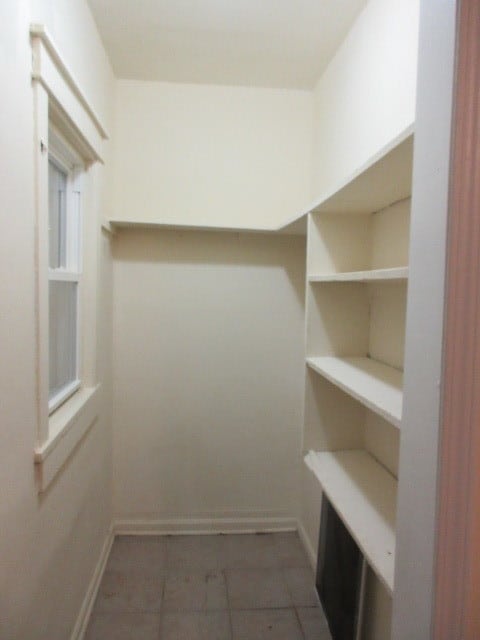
(57, 216)
(62, 335)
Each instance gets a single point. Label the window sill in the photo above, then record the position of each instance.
(67, 426)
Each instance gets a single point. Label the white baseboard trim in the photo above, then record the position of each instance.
(311, 553)
(89, 600)
(192, 526)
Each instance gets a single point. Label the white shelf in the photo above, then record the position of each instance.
(363, 494)
(373, 275)
(375, 385)
(296, 225)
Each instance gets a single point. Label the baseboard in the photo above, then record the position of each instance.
(191, 526)
(312, 556)
(91, 594)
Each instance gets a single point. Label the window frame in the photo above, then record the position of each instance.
(60, 108)
(66, 160)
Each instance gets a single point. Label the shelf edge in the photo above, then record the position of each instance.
(371, 275)
(390, 417)
(312, 463)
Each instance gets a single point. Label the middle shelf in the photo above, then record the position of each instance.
(371, 275)
(374, 384)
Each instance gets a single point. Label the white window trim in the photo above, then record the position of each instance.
(63, 395)
(59, 101)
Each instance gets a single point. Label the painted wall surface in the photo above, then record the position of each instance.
(208, 365)
(49, 545)
(366, 96)
(211, 155)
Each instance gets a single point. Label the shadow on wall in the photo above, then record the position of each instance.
(204, 249)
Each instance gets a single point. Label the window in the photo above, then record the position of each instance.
(68, 138)
(64, 264)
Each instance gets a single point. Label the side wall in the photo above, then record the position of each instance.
(211, 155)
(366, 96)
(208, 389)
(49, 544)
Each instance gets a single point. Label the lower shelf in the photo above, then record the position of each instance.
(364, 495)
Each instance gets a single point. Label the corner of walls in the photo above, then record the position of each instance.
(366, 96)
(81, 623)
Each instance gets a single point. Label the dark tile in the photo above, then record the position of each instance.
(290, 550)
(129, 592)
(212, 625)
(138, 554)
(195, 591)
(257, 589)
(301, 586)
(193, 553)
(123, 626)
(314, 624)
(272, 624)
(250, 551)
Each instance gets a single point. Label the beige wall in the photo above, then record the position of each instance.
(195, 154)
(366, 96)
(49, 545)
(208, 362)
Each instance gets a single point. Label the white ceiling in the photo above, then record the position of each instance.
(266, 43)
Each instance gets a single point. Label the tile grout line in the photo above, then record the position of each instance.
(223, 568)
(299, 623)
(229, 608)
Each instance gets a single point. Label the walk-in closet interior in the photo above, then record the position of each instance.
(237, 339)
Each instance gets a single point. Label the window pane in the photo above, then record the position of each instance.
(57, 216)
(62, 335)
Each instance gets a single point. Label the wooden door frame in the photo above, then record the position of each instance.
(457, 559)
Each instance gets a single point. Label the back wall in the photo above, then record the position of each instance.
(208, 378)
(211, 155)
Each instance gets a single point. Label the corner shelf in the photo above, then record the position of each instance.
(374, 384)
(363, 494)
(372, 275)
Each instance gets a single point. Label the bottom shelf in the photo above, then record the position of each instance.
(364, 495)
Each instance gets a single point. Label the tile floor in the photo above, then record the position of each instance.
(218, 587)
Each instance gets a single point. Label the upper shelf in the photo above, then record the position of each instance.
(384, 179)
(363, 494)
(294, 226)
(375, 385)
(373, 275)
